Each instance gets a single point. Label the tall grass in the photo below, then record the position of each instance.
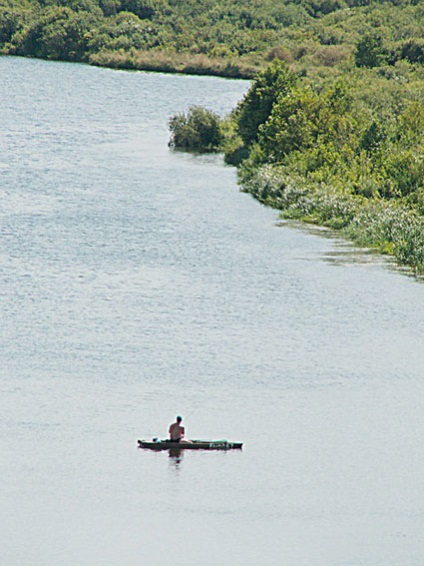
(170, 62)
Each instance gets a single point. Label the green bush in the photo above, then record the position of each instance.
(124, 31)
(369, 51)
(198, 130)
(413, 51)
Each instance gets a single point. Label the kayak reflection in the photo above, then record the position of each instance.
(175, 455)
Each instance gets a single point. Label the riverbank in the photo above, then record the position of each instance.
(181, 63)
(386, 227)
(344, 152)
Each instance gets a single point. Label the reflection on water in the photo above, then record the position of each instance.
(175, 457)
(344, 252)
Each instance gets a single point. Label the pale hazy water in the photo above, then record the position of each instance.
(137, 283)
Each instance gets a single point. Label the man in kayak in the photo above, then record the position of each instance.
(176, 431)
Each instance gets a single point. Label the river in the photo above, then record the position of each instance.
(138, 283)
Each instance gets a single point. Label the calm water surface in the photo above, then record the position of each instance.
(138, 283)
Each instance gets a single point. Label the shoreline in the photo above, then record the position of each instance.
(161, 63)
(384, 227)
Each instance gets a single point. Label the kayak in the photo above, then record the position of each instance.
(157, 444)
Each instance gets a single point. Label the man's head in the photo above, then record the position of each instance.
(179, 419)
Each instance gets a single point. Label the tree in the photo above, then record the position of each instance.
(290, 126)
(413, 51)
(9, 23)
(256, 107)
(369, 51)
(59, 34)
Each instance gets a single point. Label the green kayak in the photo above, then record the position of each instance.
(157, 444)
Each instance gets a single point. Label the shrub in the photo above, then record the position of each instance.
(413, 51)
(369, 51)
(198, 130)
(405, 168)
(280, 53)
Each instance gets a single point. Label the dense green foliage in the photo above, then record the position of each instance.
(259, 102)
(347, 153)
(336, 154)
(199, 130)
(216, 36)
